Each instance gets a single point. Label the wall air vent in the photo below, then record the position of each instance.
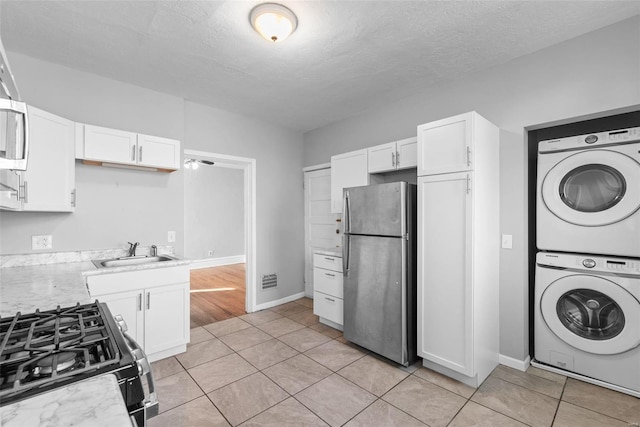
(269, 281)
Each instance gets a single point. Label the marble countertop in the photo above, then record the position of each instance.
(94, 402)
(43, 287)
(46, 286)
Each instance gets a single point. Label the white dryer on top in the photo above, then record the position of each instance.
(588, 198)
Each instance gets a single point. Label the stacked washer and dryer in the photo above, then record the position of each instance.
(587, 285)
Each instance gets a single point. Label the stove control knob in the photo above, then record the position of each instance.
(121, 323)
(589, 263)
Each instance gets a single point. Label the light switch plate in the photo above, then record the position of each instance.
(171, 236)
(44, 241)
(507, 241)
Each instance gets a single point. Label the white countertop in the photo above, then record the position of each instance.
(43, 287)
(47, 286)
(95, 402)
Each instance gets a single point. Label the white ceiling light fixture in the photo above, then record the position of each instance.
(273, 21)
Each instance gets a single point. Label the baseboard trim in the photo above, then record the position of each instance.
(217, 262)
(284, 300)
(520, 365)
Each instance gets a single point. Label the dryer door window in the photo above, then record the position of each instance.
(593, 188)
(592, 314)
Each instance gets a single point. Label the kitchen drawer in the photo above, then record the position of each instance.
(328, 262)
(328, 307)
(328, 282)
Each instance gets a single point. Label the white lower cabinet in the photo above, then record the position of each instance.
(328, 301)
(154, 303)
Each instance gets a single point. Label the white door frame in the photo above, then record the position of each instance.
(248, 165)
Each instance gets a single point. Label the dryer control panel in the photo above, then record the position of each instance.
(589, 263)
(581, 142)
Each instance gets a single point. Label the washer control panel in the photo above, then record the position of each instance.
(590, 140)
(588, 262)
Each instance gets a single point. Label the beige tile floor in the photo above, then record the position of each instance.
(280, 367)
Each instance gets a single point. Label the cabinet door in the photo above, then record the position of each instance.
(10, 189)
(445, 146)
(50, 178)
(109, 145)
(158, 152)
(407, 153)
(445, 294)
(129, 306)
(166, 317)
(382, 158)
(347, 170)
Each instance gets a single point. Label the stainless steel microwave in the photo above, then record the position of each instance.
(14, 138)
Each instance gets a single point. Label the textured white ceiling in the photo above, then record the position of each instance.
(345, 56)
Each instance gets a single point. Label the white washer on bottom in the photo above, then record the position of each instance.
(587, 317)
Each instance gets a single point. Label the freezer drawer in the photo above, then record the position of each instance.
(328, 307)
(333, 263)
(328, 282)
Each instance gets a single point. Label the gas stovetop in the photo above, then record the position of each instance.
(43, 350)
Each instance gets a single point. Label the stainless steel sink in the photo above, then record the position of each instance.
(131, 260)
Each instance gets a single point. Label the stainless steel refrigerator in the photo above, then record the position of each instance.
(379, 260)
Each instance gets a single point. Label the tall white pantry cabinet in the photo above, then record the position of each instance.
(458, 247)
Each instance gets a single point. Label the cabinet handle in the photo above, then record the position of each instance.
(329, 274)
(140, 302)
(393, 159)
(468, 156)
(468, 184)
(329, 299)
(397, 158)
(140, 154)
(148, 300)
(329, 259)
(73, 198)
(133, 153)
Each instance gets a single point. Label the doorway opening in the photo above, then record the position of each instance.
(223, 275)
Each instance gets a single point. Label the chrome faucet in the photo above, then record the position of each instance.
(132, 248)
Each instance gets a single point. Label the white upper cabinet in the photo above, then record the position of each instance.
(109, 145)
(382, 158)
(347, 170)
(48, 184)
(446, 145)
(393, 156)
(407, 153)
(103, 145)
(158, 152)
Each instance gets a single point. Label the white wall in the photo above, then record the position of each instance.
(595, 72)
(117, 205)
(113, 205)
(280, 205)
(214, 212)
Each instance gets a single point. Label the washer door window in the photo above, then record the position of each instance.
(593, 188)
(592, 314)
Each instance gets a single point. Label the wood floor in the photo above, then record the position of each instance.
(217, 293)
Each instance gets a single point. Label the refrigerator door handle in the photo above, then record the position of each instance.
(345, 255)
(346, 213)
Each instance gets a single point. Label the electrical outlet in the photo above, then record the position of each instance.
(44, 241)
(210, 253)
(171, 236)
